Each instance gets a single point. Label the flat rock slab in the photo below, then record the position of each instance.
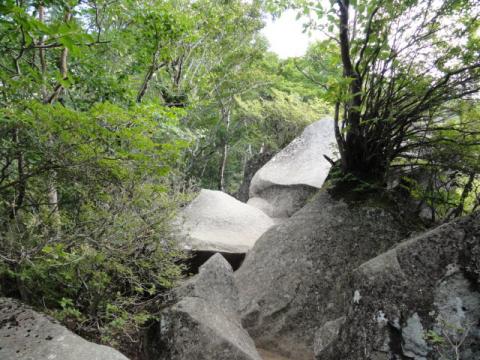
(285, 183)
(218, 222)
(28, 335)
(301, 162)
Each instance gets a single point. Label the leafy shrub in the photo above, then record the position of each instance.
(104, 254)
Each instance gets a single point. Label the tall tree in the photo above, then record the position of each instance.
(402, 62)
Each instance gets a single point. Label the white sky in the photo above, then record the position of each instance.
(286, 37)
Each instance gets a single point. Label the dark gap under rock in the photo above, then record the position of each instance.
(198, 258)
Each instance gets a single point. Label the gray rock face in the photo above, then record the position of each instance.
(295, 278)
(281, 202)
(301, 162)
(414, 344)
(204, 324)
(28, 335)
(327, 334)
(217, 222)
(295, 173)
(425, 286)
(215, 284)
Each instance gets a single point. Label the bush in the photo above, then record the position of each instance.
(101, 257)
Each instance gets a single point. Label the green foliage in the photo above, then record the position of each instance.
(108, 248)
(103, 271)
(448, 340)
(278, 117)
(269, 104)
(321, 68)
(102, 104)
(450, 184)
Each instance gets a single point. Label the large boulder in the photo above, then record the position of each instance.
(204, 323)
(217, 222)
(283, 185)
(215, 284)
(295, 278)
(420, 300)
(28, 335)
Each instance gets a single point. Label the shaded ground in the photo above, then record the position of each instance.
(267, 355)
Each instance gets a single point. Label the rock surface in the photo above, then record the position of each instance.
(295, 278)
(282, 186)
(327, 334)
(217, 222)
(281, 202)
(28, 335)
(301, 162)
(204, 324)
(215, 284)
(428, 283)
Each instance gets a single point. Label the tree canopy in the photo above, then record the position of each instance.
(397, 69)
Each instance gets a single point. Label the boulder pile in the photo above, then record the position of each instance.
(325, 277)
(217, 222)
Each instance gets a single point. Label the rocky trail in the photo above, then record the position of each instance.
(321, 278)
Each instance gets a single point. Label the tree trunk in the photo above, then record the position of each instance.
(63, 66)
(358, 157)
(154, 67)
(53, 199)
(20, 189)
(144, 86)
(223, 162)
(52, 192)
(458, 211)
(41, 53)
